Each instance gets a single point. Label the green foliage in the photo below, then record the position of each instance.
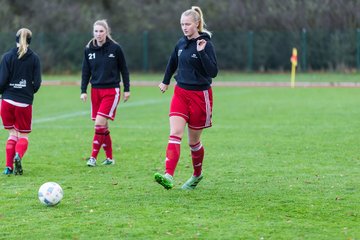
(264, 51)
(62, 28)
(280, 163)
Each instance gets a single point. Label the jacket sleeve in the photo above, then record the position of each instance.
(4, 74)
(123, 70)
(37, 75)
(171, 67)
(85, 74)
(208, 60)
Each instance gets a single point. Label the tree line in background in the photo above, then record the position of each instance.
(248, 35)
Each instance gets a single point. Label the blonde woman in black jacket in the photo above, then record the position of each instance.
(20, 79)
(103, 63)
(194, 60)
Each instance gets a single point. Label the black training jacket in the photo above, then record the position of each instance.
(20, 78)
(195, 70)
(102, 67)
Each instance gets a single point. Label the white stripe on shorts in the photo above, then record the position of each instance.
(115, 103)
(208, 108)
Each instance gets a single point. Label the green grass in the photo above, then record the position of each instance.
(280, 163)
(285, 77)
(226, 76)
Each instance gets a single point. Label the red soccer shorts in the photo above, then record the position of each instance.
(14, 117)
(104, 102)
(194, 106)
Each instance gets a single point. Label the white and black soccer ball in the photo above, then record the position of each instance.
(50, 194)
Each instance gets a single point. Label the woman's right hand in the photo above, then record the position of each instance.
(83, 97)
(163, 87)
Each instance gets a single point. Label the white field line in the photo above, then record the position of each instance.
(82, 113)
(113, 126)
(149, 127)
(58, 117)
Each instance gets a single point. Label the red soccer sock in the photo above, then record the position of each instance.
(172, 154)
(10, 151)
(197, 154)
(98, 140)
(21, 146)
(108, 145)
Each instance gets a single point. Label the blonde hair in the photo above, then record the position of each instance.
(105, 25)
(198, 16)
(23, 38)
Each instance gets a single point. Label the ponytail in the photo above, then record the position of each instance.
(198, 16)
(23, 39)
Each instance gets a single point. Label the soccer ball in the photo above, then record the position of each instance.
(50, 193)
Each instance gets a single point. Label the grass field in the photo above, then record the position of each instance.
(280, 163)
(243, 77)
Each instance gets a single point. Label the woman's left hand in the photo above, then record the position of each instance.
(200, 44)
(126, 96)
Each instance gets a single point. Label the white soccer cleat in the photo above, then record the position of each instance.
(108, 161)
(91, 162)
(192, 182)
